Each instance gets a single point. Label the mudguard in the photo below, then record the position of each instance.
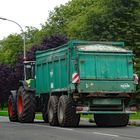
(14, 93)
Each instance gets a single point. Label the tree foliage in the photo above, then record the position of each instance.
(99, 20)
(106, 20)
(47, 43)
(8, 81)
(11, 47)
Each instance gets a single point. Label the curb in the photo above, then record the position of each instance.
(134, 122)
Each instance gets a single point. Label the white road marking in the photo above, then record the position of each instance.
(105, 134)
(46, 126)
(69, 129)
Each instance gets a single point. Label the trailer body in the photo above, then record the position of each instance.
(105, 71)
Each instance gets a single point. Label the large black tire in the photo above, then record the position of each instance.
(67, 116)
(52, 110)
(25, 105)
(12, 108)
(111, 120)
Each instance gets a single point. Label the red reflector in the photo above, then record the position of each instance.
(133, 108)
(82, 61)
(79, 108)
(82, 108)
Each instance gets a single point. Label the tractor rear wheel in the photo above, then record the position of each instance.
(12, 108)
(25, 105)
(111, 119)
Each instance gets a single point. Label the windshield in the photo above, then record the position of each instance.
(30, 70)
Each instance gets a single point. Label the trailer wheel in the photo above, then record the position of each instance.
(67, 112)
(111, 119)
(25, 105)
(12, 109)
(52, 110)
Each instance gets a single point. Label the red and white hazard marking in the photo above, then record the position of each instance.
(136, 79)
(75, 78)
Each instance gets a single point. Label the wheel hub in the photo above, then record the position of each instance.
(50, 114)
(61, 114)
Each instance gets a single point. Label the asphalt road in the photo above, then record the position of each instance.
(85, 131)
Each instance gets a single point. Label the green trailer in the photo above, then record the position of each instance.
(76, 78)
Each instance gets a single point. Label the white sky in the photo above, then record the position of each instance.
(26, 13)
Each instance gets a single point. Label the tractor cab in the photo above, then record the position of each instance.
(29, 67)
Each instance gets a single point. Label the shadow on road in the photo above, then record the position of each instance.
(81, 125)
(84, 125)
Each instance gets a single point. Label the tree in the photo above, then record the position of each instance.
(11, 47)
(105, 20)
(47, 43)
(7, 82)
(99, 20)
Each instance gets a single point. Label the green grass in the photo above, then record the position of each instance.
(89, 116)
(135, 116)
(4, 109)
(38, 117)
(3, 113)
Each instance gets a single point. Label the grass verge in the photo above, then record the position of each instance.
(38, 117)
(135, 116)
(3, 113)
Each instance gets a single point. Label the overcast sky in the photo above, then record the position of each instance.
(26, 13)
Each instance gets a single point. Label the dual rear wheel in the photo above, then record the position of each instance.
(62, 112)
